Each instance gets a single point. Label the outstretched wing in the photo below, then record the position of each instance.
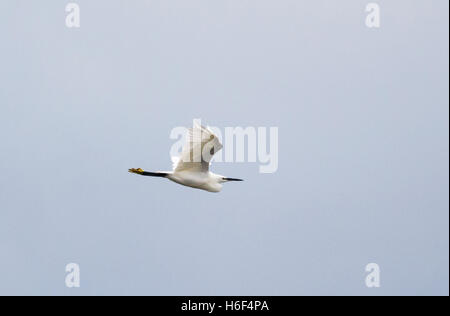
(201, 145)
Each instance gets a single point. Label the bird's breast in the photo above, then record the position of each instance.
(197, 180)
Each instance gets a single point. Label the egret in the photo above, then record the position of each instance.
(192, 167)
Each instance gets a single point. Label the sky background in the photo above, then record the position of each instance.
(363, 118)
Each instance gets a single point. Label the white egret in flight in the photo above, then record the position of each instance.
(192, 167)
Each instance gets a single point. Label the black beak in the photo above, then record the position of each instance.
(232, 179)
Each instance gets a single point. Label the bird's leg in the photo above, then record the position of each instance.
(137, 171)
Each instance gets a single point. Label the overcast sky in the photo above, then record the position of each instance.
(363, 174)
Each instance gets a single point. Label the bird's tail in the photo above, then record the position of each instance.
(147, 173)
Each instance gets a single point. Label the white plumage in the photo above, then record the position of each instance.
(192, 167)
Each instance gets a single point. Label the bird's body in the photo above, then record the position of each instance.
(207, 181)
(192, 167)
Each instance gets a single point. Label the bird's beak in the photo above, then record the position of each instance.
(232, 179)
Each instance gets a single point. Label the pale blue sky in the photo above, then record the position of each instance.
(363, 118)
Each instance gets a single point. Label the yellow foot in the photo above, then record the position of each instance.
(138, 170)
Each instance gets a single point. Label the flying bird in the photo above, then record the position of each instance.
(192, 167)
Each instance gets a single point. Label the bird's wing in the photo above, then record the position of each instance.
(201, 145)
